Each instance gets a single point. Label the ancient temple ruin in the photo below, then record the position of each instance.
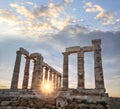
(96, 48)
(62, 96)
(37, 76)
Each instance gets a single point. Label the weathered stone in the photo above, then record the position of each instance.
(65, 70)
(73, 49)
(61, 102)
(33, 76)
(46, 73)
(14, 83)
(99, 81)
(81, 69)
(26, 74)
(5, 103)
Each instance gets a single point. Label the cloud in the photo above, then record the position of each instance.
(104, 16)
(8, 16)
(67, 1)
(40, 21)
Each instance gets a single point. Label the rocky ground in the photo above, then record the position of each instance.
(33, 103)
(30, 100)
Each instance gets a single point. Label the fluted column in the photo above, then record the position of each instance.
(50, 77)
(54, 77)
(56, 83)
(46, 74)
(38, 72)
(59, 86)
(14, 83)
(65, 70)
(33, 76)
(99, 80)
(80, 69)
(26, 74)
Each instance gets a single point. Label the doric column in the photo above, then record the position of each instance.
(65, 70)
(50, 77)
(26, 74)
(46, 74)
(54, 77)
(33, 76)
(99, 81)
(80, 55)
(14, 83)
(56, 83)
(59, 85)
(38, 72)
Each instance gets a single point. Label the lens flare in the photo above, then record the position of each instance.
(47, 87)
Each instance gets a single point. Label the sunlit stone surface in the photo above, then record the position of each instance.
(46, 91)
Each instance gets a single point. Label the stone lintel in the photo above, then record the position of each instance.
(24, 51)
(35, 55)
(53, 70)
(87, 49)
(73, 49)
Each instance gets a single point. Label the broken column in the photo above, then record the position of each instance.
(14, 83)
(80, 55)
(99, 81)
(26, 74)
(65, 70)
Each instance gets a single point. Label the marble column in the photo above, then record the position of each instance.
(99, 80)
(59, 86)
(80, 55)
(15, 78)
(56, 83)
(33, 76)
(54, 77)
(38, 72)
(46, 74)
(50, 77)
(26, 74)
(65, 70)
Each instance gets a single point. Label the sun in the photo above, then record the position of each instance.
(47, 87)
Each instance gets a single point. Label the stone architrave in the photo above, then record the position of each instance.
(80, 55)
(33, 76)
(14, 83)
(65, 70)
(99, 80)
(26, 74)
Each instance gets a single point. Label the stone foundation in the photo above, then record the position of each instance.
(59, 99)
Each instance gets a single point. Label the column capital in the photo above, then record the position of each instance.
(65, 53)
(46, 68)
(96, 41)
(27, 57)
(18, 52)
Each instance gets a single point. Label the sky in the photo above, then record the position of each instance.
(50, 26)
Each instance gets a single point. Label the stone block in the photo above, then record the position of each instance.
(73, 49)
(8, 107)
(5, 103)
